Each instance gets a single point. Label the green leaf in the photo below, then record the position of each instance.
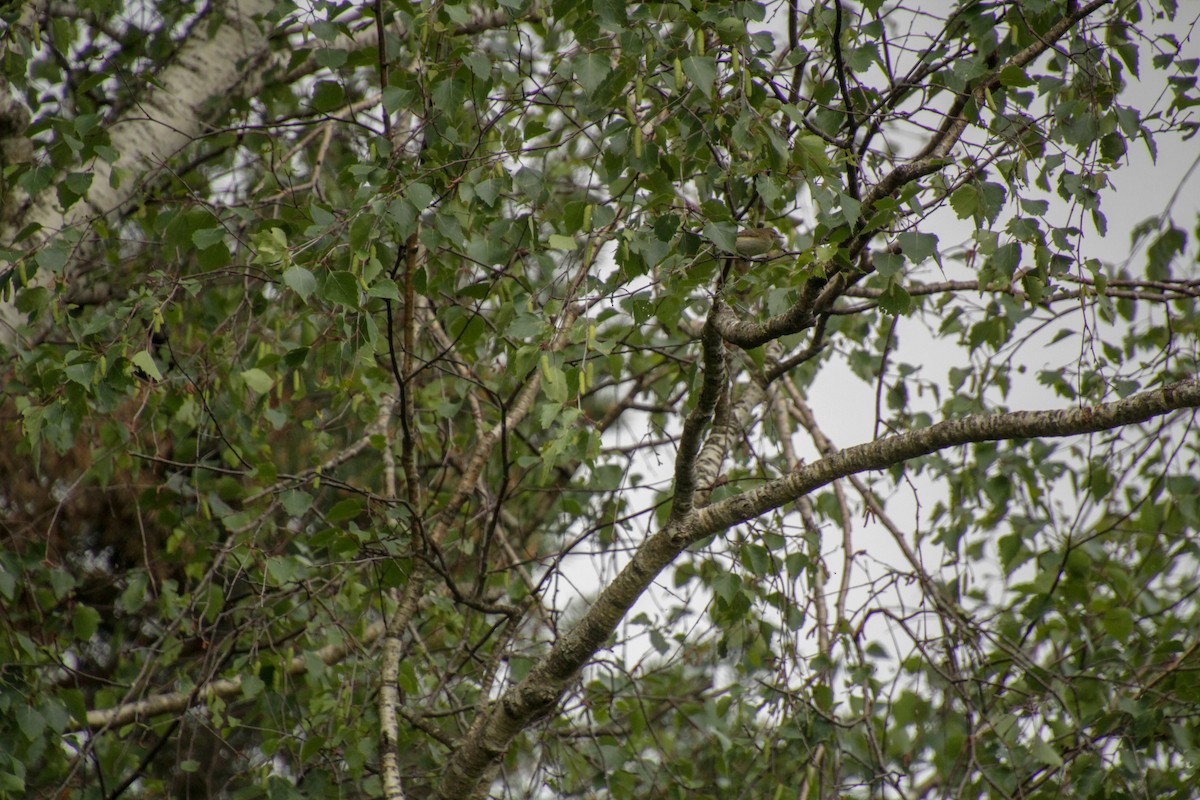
(1007, 258)
(133, 598)
(479, 63)
(851, 209)
(888, 264)
(1014, 76)
(252, 686)
(554, 381)
(296, 502)
(1118, 623)
(78, 182)
(728, 586)
(330, 57)
(342, 288)
(917, 247)
(207, 237)
(1163, 250)
(896, 300)
(328, 96)
(344, 510)
(420, 195)
(612, 13)
(1045, 753)
(83, 373)
(723, 235)
(300, 281)
(85, 620)
(145, 362)
(8, 585)
(702, 71)
(37, 179)
(258, 381)
(384, 288)
(808, 151)
(53, 257)
(31, 723)
(395, 98)
(965, 201)
(591, 69)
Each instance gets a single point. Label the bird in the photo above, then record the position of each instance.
(752, 242)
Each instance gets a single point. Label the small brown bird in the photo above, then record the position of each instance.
(753, 242)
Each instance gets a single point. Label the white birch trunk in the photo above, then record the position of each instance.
(167, 119)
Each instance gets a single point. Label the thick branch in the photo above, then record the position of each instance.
(885, 453)
(711, 391)
(1152, 291)
(750, 334)
(175, 702)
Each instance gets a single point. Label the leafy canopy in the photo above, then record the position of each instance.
(386, 412)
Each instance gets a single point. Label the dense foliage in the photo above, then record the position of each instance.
(387, 410)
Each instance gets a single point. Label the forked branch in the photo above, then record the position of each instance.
(538, 695)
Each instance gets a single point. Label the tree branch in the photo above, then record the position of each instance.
(711, 391)
(537, 695)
